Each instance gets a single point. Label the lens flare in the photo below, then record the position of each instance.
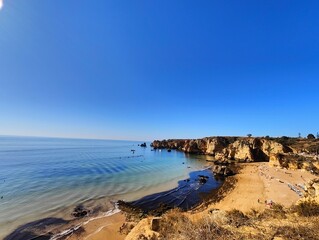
(1, 4)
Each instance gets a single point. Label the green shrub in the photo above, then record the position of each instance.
(311, 136)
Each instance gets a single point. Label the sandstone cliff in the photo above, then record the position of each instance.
(227, 148)
(295, 161)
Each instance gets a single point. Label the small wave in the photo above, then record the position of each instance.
(73, 229)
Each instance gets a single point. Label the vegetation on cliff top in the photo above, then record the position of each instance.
(292, 223)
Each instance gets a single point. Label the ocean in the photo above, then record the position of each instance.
(48, 177)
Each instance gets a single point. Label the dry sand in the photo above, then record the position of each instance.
(249, 188)
(258, 182)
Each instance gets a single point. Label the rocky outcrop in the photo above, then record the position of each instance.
(169, 144)
(311, 195)
(294, 161)
(222, 170)
(312, 189)
(224, 148)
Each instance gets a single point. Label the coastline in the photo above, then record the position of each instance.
(110, 222)
(56, 176)
(97, 229)
(110, 226)
(268, 183)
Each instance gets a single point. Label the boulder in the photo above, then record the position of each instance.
(222, 170)
(202, 179)
(155, 224)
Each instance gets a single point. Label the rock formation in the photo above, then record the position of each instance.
(227, 148)
(294, 161)
(222, 170)
(143, 145)
(312, 189)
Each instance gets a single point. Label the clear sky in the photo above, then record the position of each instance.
(159, 69)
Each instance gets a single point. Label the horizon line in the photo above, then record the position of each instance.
(71, 138)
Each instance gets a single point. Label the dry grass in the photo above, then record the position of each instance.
(306, 208)
(276, 212)
(275, 222)
(237, 218)
(297, 232)
(176, 225)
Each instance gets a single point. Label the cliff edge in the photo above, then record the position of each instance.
(246, 149)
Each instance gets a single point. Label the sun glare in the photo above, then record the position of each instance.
(1, 4)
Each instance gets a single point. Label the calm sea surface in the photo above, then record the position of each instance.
(47, 177)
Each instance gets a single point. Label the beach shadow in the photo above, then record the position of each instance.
(31, 231)
(189, 193)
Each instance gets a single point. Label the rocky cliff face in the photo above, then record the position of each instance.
(225, 148)
(295, 161)
(312, 189)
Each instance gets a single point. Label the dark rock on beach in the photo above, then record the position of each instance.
(155, 223)
(222, 170)
(80, 211)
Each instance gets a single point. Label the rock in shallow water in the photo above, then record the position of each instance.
(80, 211)
(202, 179)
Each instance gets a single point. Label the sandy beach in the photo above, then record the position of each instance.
(256, 183)
(259, 182)
(101, 229)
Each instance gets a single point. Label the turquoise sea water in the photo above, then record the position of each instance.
(47, 177)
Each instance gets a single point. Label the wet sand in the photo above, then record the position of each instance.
(186, 195)
(101, 229)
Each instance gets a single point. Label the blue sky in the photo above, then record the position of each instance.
(158, 69)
